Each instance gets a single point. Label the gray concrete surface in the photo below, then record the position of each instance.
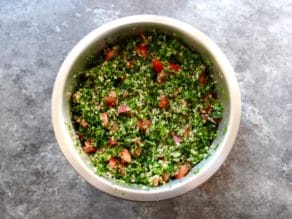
(37, 182)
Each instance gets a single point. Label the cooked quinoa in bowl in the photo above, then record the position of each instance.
(146, 110)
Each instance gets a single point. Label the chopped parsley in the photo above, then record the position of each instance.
(146, 109)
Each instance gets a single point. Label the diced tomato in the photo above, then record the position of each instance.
(112, 142)
(126, 156)
(182, 171)
(110, 54)
(111, 99)
(123, 109)
(142, 50)
(113, 163)
(157, 65)
(203, 79)
(104, 119)
(143, 125)
(163, 102)
(177, 139)
(89, 148)
(202, 76)
(174, 67)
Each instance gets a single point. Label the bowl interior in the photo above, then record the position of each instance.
(96, 41)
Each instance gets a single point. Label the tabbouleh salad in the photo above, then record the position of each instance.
(146, 109)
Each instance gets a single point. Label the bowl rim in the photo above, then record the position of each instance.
(72, 155)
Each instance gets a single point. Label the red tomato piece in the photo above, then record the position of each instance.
(177, 139)
(203, 79)
(174, 67)
(89, 148)
(123, 109)
(142, 50)
(157, 65)
(112, 142)
(110, 54)
(182, 171)
(163, 102)
(143, 125)
(104, 119)
(111, 99)
(126, 156)
(113, 163)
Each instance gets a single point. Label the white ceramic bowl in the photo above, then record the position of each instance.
(228, 93)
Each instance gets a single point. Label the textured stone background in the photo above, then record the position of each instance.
(37, 182)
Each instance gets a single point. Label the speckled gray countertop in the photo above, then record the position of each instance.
(37, 182)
